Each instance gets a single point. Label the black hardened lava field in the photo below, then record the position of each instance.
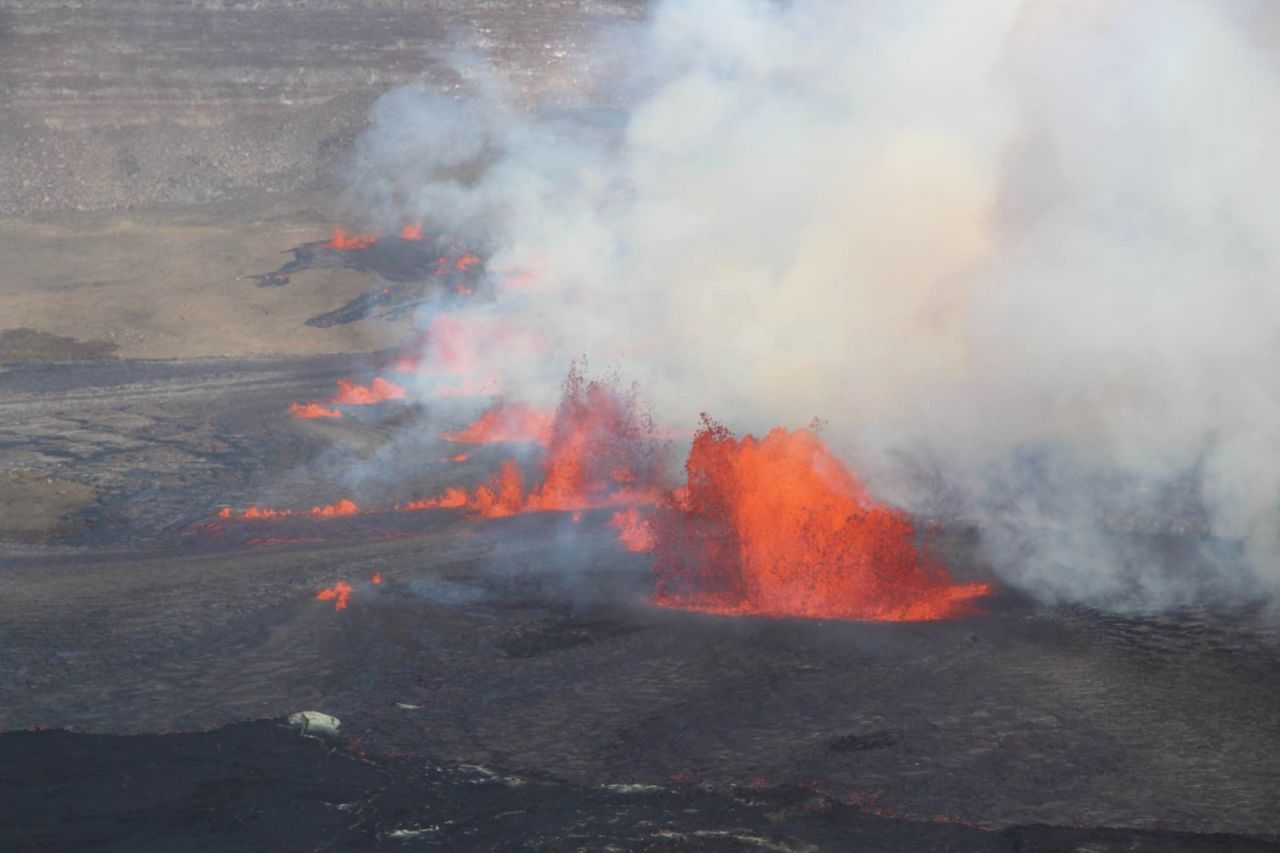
(786, 426)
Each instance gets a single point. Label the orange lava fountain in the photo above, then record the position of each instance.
(779, 527)
(601, 452)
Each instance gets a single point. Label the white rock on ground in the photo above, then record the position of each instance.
(315, 723)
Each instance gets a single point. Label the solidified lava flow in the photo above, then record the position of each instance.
(779, 527)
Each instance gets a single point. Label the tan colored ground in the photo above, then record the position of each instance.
(159, 283)
(33, 506)
(167, 283)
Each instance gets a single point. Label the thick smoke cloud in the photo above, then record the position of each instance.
(1021, 257)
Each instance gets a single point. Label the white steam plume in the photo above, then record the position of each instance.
(1030, 248)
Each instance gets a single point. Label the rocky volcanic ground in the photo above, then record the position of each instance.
(522, 656)
(506, 684)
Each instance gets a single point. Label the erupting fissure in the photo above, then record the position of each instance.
(779, 527)
(255, 513)
(775, 526)
(600, 453)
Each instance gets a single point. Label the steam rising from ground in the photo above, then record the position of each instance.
(1021, 257)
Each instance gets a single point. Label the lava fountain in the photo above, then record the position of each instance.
(780, 527)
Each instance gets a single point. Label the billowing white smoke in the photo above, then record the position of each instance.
(1022, 257)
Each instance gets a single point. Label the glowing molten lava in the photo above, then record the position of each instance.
(345, 241)
(339, 594)
(411, 232)
(506, 422)
(256, 513)
(379, 390)
(780, 527)
(313, 410)
(599, 454)
(502, 496)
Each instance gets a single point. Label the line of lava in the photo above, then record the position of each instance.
(312, 410)
(780, 527)
(255, 513)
